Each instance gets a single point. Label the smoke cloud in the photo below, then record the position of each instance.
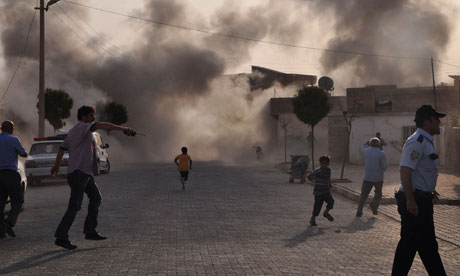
(171, 80)
(394, 27)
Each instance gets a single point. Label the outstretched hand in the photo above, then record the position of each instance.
(129, 132)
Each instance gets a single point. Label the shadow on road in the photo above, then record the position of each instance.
(304, 236)
(360, 225)
(40, 259)
(457, 189)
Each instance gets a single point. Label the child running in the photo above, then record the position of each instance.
(184, 164)
(322, 191)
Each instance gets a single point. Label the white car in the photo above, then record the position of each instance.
(101, 163)
(42, 156)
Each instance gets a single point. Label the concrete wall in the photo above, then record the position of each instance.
(452, 158)
(390, 127)
(403, 100)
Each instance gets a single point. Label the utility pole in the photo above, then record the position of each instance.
(434, 86)
(41, 85)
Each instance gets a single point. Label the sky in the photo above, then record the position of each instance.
(177, 82)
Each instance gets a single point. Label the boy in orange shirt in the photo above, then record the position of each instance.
(184, 164)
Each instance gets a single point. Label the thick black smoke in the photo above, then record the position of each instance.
(170, 80)
(391, 27)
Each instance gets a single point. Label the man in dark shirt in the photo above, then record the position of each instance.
(10, 180)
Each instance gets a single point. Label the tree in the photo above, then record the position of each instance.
(57, 107)
(311, 105)
(348, 117)
(284, 125)
(112, 112)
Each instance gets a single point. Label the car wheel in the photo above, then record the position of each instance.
(33, 181)
(107, 169)
(23, 195)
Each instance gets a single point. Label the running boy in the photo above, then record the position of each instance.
(184, 164)
(322, 191)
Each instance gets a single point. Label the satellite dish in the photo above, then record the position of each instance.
(326, 83)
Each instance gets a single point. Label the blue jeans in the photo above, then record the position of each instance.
(80, 183)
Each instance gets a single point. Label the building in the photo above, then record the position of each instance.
(384, 108)
(390, 110)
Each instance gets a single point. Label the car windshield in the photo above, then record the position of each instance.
(45, 148)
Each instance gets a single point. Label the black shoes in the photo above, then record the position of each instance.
(9, 229)
(359, 214)
(313, 222)
(374, 211)
(68, 245)
(65, 243)
(329, 217)
(95, 237)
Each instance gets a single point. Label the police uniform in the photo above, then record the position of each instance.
(417, 232)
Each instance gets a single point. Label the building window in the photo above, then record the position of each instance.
(406, 132)
(383, 103)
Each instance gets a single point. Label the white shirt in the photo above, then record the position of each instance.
(419, 155)
(375, 163)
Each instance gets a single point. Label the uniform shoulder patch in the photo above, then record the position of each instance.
(420, 138)
(414, 155)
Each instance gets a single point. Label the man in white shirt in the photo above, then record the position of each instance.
(375, 165)
(416, 196)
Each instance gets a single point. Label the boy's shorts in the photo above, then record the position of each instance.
(184, 174)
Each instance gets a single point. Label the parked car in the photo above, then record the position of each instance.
(101, 163)
(42, 156)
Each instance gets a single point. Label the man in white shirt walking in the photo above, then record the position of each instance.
(375, 165)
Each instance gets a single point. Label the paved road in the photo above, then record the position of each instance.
(233, 221)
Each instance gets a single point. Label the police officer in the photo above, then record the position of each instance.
(416, 195)
(10, 180)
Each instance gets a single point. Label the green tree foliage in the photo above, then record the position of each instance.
(311, 105)
(57, 107)
(112, 112)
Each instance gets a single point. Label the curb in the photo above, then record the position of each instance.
(353, 195)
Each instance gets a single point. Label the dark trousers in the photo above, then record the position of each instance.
(319, 199)
(80, 183)
(417, 235)
(10, 185)
(365, 190)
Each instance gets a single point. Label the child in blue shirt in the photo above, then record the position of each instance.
(321, 177)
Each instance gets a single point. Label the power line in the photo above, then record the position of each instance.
(20, 57)
(247, 38)
(92, 37)
(453, 65)
(86, 33)
(81, 38)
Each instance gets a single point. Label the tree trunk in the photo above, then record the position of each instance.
(345, 158)
(285, 134)
(312, 148)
